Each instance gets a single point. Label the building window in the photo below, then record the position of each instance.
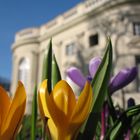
(136, 28)
(24, 71)
(93, 40)
(138, 76)
(70, 49)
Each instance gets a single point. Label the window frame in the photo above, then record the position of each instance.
(136, 28)
(23, 71)
(93, 40)
(70, 49)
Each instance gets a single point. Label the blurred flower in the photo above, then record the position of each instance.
(123, 78)
(65, 114)
(11, 112)
(78, 78)
(130, 102)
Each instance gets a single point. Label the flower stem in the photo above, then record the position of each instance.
(102, 123)
(127, 137)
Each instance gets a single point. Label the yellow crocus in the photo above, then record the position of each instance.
(65, 113)
(11, 112)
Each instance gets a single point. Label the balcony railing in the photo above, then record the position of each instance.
(70, 13)
(27, 34)
(95, 3)
(51, 23)
(73, 13)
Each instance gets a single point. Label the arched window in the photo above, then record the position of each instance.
(24, 67)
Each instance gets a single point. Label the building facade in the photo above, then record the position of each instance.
(79, 35)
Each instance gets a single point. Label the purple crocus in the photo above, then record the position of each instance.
(123, 78)
(78, 78)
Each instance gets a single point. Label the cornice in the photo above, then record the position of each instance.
(24, 42)
(72, 22)
(62, 28)
(86, 15)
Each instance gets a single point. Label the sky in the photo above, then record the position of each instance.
(16, 15)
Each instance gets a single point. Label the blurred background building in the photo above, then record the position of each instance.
(79, 35)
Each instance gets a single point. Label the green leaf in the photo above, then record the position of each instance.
(100, 85)
(111, 108)
(138, 132)
(56, 76)
(47, 65)
(34, 115)
(51, 72)
(122, 124)
(101, 80)
(135, 129)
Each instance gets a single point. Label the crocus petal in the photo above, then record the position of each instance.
(52, 129)
(83, 105)
(15, 114)
(66, 114)
(43, 92)
(81, 110)
(76, 76)
(64, 97)
(4, 104)
(94, 65)
(42, 100)
(123, 78)
(61, 103)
